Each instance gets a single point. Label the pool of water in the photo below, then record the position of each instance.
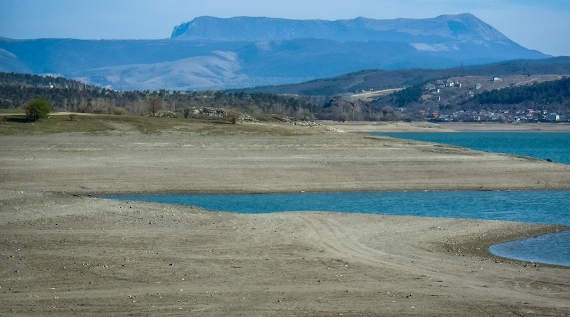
(541, 145)
(534, 250)
(549, 207)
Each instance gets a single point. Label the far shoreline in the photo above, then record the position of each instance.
(505, 127)
(426, 126)
(311, 191)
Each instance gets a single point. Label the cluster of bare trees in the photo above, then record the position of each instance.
(67, 95)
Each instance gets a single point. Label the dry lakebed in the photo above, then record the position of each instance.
(66, 252)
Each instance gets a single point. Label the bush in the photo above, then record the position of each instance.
(118, 111)
(232, 117)
(100, 110)
(256, 113)
(38, 109)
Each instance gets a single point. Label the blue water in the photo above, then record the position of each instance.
(534, 249)
(541, 145)
(524, 206)
(528, 206)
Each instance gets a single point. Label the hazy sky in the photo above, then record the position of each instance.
(542, 25)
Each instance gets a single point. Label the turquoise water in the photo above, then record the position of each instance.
(548, 248)
(541, 145)
(524, 206)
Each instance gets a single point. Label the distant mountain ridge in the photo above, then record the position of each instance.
(461, 27)
(241, 52)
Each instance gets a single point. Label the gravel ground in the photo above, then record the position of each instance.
(63, 253)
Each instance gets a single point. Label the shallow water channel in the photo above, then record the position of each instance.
(550, 207)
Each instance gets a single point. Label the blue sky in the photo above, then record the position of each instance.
(542, 25)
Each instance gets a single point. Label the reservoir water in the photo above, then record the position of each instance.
(541, 145)
(549, 207)
(549, 248)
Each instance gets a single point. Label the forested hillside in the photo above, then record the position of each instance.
(546, 93)
(69, 95)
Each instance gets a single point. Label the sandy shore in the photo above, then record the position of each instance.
(66, 255)
(126, 161)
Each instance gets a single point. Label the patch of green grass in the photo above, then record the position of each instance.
(146, 125)
(12, 111)
(53, 124)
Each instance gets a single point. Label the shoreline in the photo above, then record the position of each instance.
(555, 229)
(426, 126)
(471, 246)
(316, 191)
(480, 247)
(504, 127)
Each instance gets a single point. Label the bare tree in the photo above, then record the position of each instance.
(155, 104)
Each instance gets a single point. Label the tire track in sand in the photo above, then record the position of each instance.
(342, 241)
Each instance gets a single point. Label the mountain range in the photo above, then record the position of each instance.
(224, 53)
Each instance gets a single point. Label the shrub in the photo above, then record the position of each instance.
(99, 110)
(232, 117)
(38, 109)
(119, 111)
(256, 113)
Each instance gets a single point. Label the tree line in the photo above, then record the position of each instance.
(16, 90)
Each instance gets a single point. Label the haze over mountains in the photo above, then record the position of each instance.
(215, 53)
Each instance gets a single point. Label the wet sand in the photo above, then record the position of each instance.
(63, 253)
